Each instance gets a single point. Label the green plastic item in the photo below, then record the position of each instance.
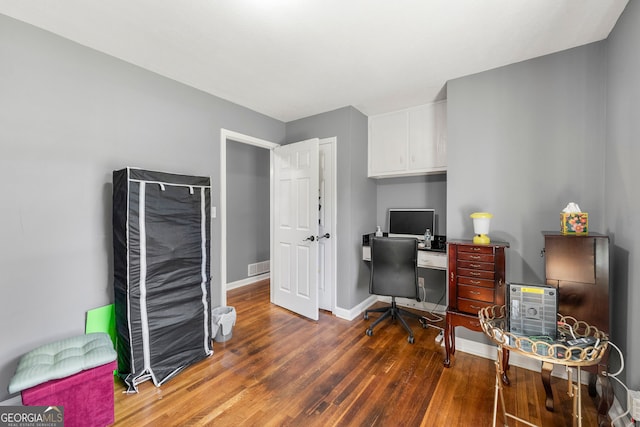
(102, 319)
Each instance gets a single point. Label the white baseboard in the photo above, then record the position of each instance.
(489, 352)
(355, 311)
(422, 305)
(248, 281)
(13, 401)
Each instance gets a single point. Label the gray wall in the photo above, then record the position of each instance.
(356, 195)
(622, 175)
(417, 192)
(523, 141)
(413, 192)
(69, 116)
(248, 199)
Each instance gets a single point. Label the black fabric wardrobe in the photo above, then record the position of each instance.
(161, 239)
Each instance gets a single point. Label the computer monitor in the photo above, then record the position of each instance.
(411, 222)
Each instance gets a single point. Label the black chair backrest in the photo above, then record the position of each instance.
(394, 267)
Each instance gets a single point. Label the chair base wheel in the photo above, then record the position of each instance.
(393, 313)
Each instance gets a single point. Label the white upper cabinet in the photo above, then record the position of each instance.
(409, 142)
(388, 136)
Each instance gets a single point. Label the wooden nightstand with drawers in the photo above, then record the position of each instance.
(476, 277)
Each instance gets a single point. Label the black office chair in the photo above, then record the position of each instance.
(394, 273)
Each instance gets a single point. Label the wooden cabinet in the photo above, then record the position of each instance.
(476, 279)
(408, 142)
(578, 266)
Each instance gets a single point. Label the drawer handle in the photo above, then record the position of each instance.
(476, 249)
(474, 273)
(475, 307)
(474, 265)
(475, 323)
(475, 282)
(474, 292)
(474, 256)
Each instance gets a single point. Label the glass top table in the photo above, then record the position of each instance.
(579, 344)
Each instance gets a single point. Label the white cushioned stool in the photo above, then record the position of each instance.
(75, 373)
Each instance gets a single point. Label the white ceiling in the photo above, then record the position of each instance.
(291, 59)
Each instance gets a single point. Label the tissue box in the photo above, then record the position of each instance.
(574, 223)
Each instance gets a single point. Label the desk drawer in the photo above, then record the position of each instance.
(476, 249)
(476, 282)
(476, 265)
(366, 253)
(465, 320)
(476, 274)
(471, 306)
(477, 257)
(436, 260)
(475, 293)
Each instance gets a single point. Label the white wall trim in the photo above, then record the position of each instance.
(350, 314)
(226, 136)
(334, 218)
(13, 401)
(428, 307)
(248, 281)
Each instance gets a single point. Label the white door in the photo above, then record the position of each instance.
(294, 278)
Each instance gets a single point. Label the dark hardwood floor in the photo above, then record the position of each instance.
(280, 369)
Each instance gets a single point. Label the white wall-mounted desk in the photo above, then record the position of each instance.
(433, 259)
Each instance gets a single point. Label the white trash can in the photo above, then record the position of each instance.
(222, 321)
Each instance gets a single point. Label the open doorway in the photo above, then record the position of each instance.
(328, 206)
(248, 225)
(226, 137)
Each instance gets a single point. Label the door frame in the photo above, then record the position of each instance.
(332, 142)
(226, 136)
(229, 135)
